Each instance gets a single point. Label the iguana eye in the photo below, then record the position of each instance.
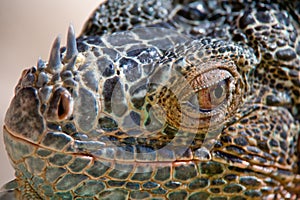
(60, 105)
(211, 90)
(211, 97)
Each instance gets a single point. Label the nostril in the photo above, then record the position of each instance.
(61, 109)
(65, 106)
(60, 105)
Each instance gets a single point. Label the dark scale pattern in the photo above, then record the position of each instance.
(249, 181)
(98, 169)
(162, 174)
(131, 69)
(179, 194)
(185, 172)
(110, 116)
(138, 176)
(286, 54)
(107, 124)
(126, 16)
(105, 66)
(79, 164)
(107, 92)
(232, 188)
(113, 183)
(211, 168)
(139, 195)
(133, 185)
(199, 183)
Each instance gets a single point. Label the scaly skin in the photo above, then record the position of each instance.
(163, 100)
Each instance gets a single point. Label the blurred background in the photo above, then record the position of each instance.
(27, 30)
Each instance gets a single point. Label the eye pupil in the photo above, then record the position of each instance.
(218, 92)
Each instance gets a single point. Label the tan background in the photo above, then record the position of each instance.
(27, 29)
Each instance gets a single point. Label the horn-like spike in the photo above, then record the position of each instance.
(54, 64)
(71, 43)
(41, 64)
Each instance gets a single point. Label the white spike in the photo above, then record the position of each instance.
(71, 43)
(41, 64)
(54, 64)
